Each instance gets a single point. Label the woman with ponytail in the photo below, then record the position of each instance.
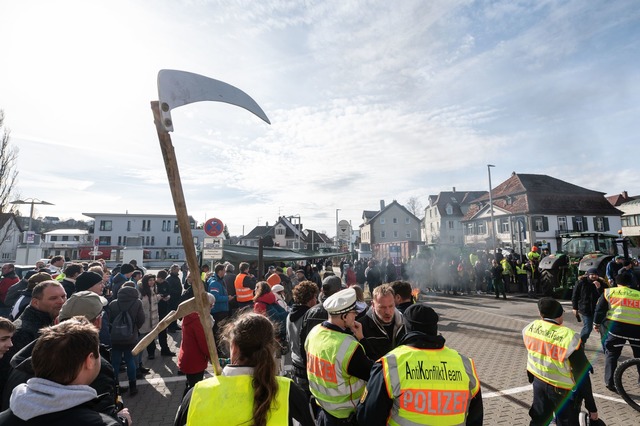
(248, 392)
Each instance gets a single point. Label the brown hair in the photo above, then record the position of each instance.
(7, 325)
(38, 290)
(253, 335)
(304, 292)
(71, 341)
(402, 289)
(262, 288)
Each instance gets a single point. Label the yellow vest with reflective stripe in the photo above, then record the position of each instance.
(624, 305)
(328, 355)
(429, 386)
(228, 400)
(549, 346)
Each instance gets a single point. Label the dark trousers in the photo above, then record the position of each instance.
(219, 318)
(326, 419)
(548, 400)
(613, 348)
(192, 379)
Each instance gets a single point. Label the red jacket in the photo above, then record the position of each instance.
(194, 354)
(5, 283)
(260, 305)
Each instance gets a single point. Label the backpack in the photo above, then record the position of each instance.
(122, 328)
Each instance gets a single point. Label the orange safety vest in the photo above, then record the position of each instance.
(243, 294)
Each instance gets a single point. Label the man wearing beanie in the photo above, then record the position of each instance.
(123, 276)
(618, 311)
(337, 367)
(422, 368)
(556, 365)
(93, 282)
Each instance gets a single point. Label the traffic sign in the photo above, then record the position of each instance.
(212, 248)
(213, 227)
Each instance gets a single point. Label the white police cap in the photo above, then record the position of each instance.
(341, 302)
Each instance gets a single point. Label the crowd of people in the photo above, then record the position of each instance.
(363, 351)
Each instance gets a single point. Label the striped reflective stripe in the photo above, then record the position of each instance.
(624, 305)
(406, 422)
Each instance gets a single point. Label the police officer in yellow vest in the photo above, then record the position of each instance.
(422, 382)
(556, 365)
(248, 391)
(337, 366)
(618, 311)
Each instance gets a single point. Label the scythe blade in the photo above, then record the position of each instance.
(177, 88)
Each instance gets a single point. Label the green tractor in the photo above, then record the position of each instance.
(578, 252)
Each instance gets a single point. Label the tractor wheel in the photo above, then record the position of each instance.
(548, 280)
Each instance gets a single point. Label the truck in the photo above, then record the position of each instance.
(577, 253)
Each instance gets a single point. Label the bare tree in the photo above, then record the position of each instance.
(415, 207)
(8, 169)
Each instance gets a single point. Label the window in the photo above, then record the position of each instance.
(119, 240)
(179, 241)
(153, 241)
(164, 225)
(105, 225)
(429, 212)
(146, 225)
(65, 238)
(383, 234)
(449, 209)
(395, 234)
(508, 201)
(168, 241)
(562, 223)
(124, 240)
(147, 241)
(451, 224)
(482, 228)
(382, 221)
(280, 231)
(408, 234)
(540, 223)
(504, 225)
(601, 224)
(6, 255)
(395, 220)
(54, 238)
(128, 225)
(580, 224)
(176, 227)
(104, 241)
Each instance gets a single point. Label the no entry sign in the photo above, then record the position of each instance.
(213, 227)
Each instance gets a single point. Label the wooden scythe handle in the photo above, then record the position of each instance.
(175, 184)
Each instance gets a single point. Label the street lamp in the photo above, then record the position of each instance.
(31, 201)
(493, 228)
(337, 240)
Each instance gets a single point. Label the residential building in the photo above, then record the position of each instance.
(631, 220)
(392, 232)
(442, 223)
(9, 237)
(287, 234)
(64, 242)
(157, 235)
(534, 209)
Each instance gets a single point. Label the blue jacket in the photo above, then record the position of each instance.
(219, 290)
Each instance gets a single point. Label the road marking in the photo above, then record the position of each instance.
(528, 388)
(506, 392)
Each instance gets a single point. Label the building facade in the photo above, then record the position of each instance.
(10, 233)
(534, 209)
(392, 232)
(442, 223)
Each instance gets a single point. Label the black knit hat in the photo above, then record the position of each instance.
(127, 268)
(86, 280)
(419, 317)
(550, 307)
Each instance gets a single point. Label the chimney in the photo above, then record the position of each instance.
(454, 189)
(625, 195)
(381, 205)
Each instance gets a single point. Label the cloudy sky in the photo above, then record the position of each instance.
(369, 101)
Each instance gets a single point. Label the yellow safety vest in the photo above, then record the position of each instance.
(429, 386)
(549, 346)
(328, 356)
(506, 267)
(520, 270)
(228, 400)
(624, 304)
